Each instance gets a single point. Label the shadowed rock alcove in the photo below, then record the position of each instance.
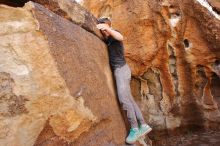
(14, 3)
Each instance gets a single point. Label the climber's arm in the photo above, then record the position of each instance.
(115, 34)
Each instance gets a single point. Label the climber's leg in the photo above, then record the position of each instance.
(137, 110)
(121, 76)
(143, 127)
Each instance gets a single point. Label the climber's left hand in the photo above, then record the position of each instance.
(102, 26)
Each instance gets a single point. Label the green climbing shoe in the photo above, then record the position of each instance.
(144, 129)
(132, 136)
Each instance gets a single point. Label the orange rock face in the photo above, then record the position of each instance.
(173, 48)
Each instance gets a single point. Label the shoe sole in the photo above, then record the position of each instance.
(132, 142)
(146, 132)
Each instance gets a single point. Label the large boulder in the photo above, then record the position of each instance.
(173, 50)
(56, 85)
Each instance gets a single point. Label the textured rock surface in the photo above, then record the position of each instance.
(56, 86)
(74, 12)
(68, 9)
(173, 48)
(199, 138)
(215, 4)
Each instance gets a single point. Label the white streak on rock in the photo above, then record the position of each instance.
(79, 1)
(174, 20)
(205, 4)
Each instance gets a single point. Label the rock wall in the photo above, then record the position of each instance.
(172, 47)
(56, 86)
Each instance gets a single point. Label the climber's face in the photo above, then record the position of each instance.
(103, 27)
(105, 33)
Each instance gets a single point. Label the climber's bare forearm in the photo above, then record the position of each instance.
(105, 27)
(115, 34)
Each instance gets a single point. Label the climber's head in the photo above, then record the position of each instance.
(105, 20)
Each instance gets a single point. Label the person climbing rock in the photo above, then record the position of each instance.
(122, 74)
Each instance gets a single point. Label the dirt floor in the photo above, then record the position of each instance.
(202, 138)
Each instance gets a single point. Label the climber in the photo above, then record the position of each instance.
(122, 74)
